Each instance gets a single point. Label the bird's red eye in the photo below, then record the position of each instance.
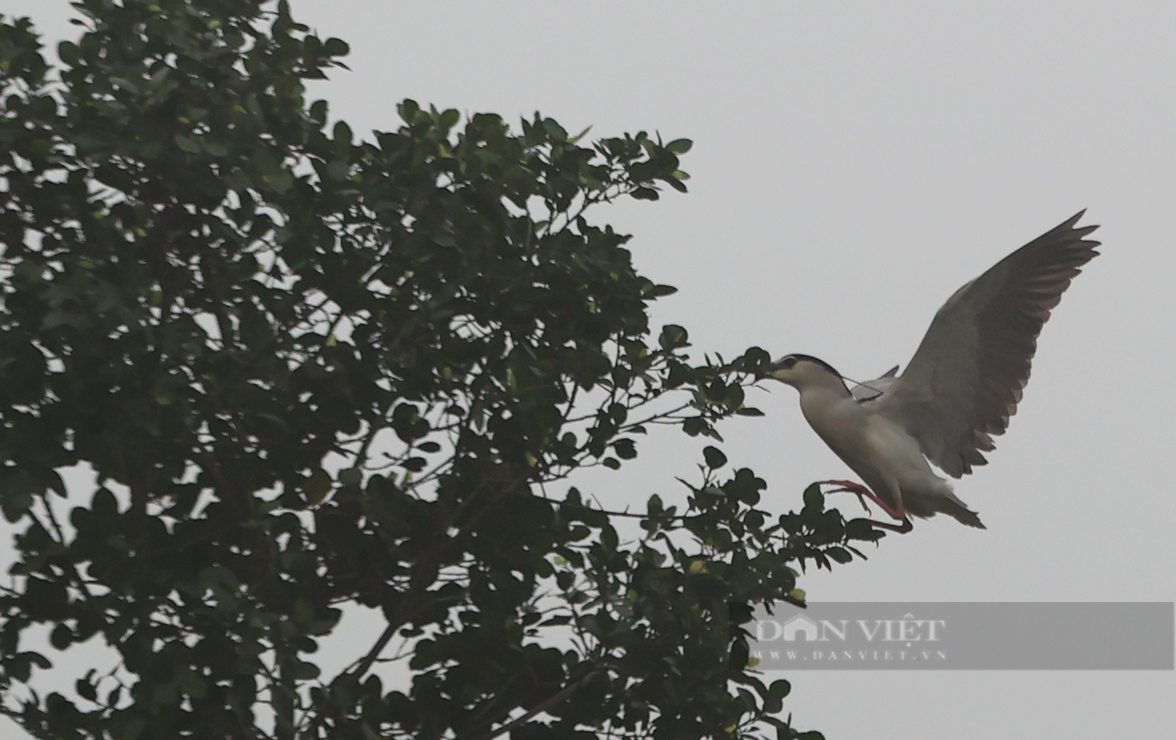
(788, 362)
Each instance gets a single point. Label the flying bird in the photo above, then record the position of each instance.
(960, 388)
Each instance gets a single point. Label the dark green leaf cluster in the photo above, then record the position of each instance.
(255, 370)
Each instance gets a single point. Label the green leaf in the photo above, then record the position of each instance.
(625, 448)
(61, 637)
(839, 554)
(448, 119)
(695, 425)
(67, 52)
(303, 671)
(660, 291)
(16, 504)
(554, 130)
(316, 487)
(739, 655)
(673, 337)
(188, 145)
(813, 498)
(861, 529)
(779, 689)
(334, 47)
(714, 457)
(408, 110)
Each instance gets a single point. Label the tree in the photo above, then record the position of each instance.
(254, 371)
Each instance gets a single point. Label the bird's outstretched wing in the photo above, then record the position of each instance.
(968, 373)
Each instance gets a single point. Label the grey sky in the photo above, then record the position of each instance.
(854, 164)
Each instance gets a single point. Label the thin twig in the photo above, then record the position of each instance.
(544, 705)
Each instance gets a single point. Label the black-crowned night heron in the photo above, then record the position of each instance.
(959, 389)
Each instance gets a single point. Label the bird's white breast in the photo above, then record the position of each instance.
(882, 453)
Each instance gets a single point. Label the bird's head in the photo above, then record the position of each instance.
(805, 371)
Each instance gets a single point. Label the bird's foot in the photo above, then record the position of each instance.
(845, 486)
(903, 528)
(862, 493)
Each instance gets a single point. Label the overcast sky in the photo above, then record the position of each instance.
(854, 164)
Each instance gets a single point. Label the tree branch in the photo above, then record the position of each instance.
(563, 694)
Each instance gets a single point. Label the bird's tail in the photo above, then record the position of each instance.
(952, 506)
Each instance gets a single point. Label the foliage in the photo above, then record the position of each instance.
(286, 371)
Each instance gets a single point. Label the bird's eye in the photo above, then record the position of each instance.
(788, 362)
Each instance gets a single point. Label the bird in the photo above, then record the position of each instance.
(958, 390)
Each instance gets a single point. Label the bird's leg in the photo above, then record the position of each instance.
(845, 486)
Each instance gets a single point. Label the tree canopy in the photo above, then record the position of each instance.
(256, 371)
